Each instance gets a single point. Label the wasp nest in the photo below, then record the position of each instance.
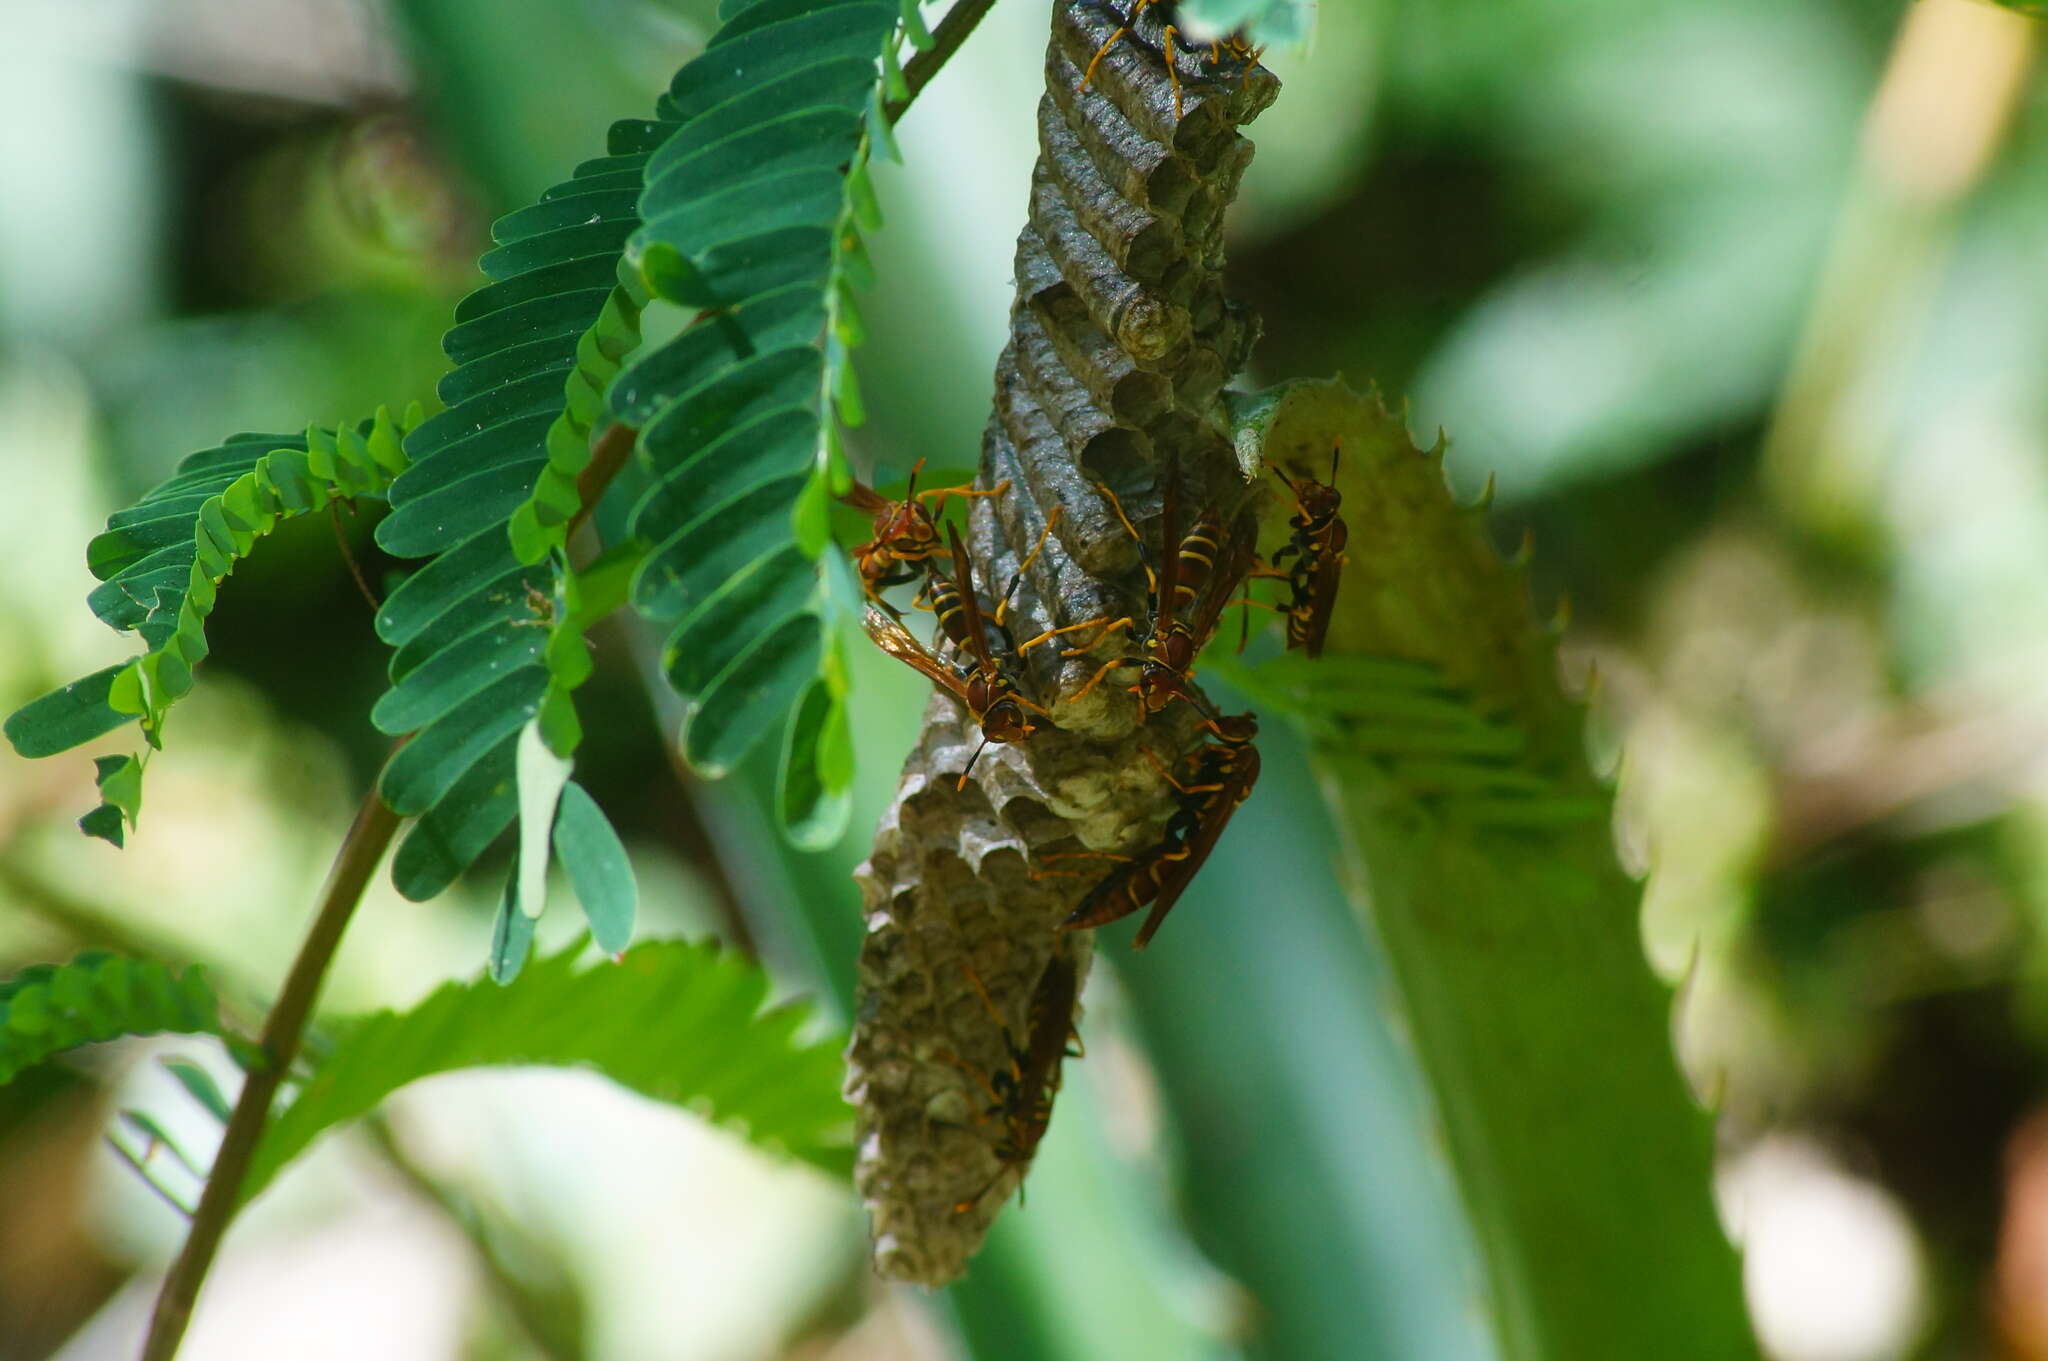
(1121, 338)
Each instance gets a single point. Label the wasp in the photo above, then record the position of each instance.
(1317, 546)
(906, 531)
(1188, 596)
(1225, 769)
(1022, 1095)
(1234, 46)
(987, 685)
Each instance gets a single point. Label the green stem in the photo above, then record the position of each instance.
(946, 40)
(608, 454)
(361, 851)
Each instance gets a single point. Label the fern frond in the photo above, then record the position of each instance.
(754, 212)
(1263, 22)
(489, 634)
(681, 1023)
(1482, 840)
(49, 1008)
(161, 563)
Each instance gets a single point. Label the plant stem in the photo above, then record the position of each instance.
(946, 40)
(613, 446)
(361, 851)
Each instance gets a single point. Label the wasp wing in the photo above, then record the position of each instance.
(963, 579)
(896, 640)
(1234, 555)
(1174, 875)
(1168, 588)
(1123, 890)
(867, 500)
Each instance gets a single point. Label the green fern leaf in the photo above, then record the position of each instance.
(754, 210)
(67, 717)
(489, 634)
(1483, 845)
(161, 563)
(678, 1022)
(1262, 21)
(49, 1008)
(597, 868)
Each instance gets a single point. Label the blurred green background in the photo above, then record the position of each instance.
(1745, 305)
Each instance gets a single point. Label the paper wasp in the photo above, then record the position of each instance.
(1234, 45)
(1225, 770)
(906, 531)
(1317, 547)
(987, 686)
(1022, 1095)
(1188, 597)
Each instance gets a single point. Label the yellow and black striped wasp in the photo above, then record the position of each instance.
(1317, 547)
(1225, 769)
(906, 532)
(1021, 1096)
(1189, 593)
(987, 685)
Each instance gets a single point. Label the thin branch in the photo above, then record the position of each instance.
(361, 851)
(348, 555)
(607, 456)
(946, 40)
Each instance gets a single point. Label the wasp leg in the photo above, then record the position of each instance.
(1100, 672)
(1137, 8)
(1103, 622)
(1151, 577)
(980, 1080)
(965, 489)
(1167, 775)
(1017, 577)
(1172, 68)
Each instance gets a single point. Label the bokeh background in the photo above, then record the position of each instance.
(1745, 305)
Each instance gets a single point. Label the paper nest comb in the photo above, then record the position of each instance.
(1121, 338)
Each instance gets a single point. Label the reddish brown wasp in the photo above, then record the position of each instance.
(906, 531)
(1224, 772)
(1234, 45)
(1022, 1095)
(1317, 547)
(1188, 596)
(988, 687)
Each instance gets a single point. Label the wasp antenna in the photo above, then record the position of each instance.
(962, 784)
(910, 487)
(1335, 450)
(1288, 483)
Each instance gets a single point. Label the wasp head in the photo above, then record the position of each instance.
(1006, 721)
(907, 531)
(1319, 500)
